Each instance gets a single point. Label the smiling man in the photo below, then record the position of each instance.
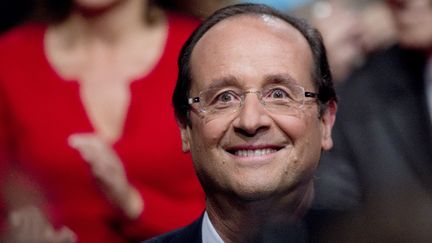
(255, 104)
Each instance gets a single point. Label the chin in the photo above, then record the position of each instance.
(253, 196)
(255, 192)
(416, 41)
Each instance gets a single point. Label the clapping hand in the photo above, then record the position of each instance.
(109, 172)
(29, 224)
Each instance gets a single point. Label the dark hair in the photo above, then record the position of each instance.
(320, 74)
(52, 11)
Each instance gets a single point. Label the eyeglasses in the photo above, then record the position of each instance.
(281, 98)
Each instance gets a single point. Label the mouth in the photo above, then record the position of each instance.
(253, 151)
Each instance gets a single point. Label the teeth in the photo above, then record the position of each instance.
(255, 152)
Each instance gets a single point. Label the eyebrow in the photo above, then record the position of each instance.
(231, 80)
(280, 78)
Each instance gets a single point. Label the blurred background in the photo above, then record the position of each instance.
(376, 184)
(352, 29)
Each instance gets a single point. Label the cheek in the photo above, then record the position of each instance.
(305, 133)
(208, 133)
(206, 136)
(296, 127)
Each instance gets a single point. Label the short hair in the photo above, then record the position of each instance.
(321, 74)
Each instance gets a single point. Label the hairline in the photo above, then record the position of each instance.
(257, 16)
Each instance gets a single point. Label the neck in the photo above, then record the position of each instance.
(238, 220)
(110, 24)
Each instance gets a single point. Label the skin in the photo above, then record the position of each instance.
(243, 191)
(103, 52)
(28, 224)
(413, 20)
(341, 32)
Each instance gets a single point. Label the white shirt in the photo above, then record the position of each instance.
(209, 234)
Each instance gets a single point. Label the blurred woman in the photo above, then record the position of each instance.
(85, 116)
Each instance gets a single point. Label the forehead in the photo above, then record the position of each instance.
(248, 47)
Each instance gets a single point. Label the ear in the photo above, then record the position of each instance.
(327, 122)
(185, 137)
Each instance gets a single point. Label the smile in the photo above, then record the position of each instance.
(254, 152)
(253, 156)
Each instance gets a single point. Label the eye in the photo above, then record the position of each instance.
(220, 100)
(224, 98)
(278, 93)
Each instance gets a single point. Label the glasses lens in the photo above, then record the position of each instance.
(283, 98)
(220, 101)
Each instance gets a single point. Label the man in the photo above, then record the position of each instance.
(382, 159)
(255, 104)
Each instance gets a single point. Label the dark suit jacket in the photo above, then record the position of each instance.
(295, 233)
(188, 234)
(382, 155)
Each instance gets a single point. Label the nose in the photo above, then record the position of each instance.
(252, 117)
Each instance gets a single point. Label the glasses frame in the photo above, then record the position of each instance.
(197, 99)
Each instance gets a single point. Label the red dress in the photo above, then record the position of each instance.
(39, 110)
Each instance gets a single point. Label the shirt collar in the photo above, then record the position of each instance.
(209, 234)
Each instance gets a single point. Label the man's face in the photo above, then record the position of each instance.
(414, 22)
(253, 152)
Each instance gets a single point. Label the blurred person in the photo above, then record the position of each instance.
(341, 28)
(85, 118)
(378, 27)
(351, 30)
(380, 169)
(255, 104)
